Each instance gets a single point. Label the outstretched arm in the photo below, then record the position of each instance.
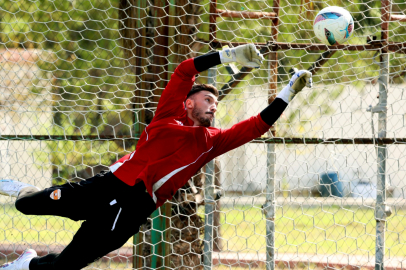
(181, 82)
(299, 80)
(172, 98)
(252, 128)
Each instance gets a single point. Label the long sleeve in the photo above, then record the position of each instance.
(171, 101)
(206, 61)
(247, 130)
(274, 110)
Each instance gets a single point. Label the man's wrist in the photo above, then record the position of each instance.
(274, 110)
(206, 61)
(286, 94)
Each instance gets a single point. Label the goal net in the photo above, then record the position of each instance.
(80, 80)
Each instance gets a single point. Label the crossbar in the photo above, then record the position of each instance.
(274, 46)
(280, 140)
(246, 14)
(399, 18)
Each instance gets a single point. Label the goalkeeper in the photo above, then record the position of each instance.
(177, 143)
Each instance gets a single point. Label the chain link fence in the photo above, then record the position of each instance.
(81, 79)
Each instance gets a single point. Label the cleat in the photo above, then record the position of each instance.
(27, 256)
(12, 188)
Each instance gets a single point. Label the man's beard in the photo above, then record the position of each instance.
(200, 116)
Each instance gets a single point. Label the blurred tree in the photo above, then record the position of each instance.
(84, 75)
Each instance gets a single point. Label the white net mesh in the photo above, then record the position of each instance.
(81, 79)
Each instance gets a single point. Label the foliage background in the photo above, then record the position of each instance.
(89, 84)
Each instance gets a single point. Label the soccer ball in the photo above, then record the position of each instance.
(333, 25)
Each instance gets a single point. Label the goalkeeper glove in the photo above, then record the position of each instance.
(246, 55)
(299, 80)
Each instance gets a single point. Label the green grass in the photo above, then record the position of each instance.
(326, 230)
(16, 227)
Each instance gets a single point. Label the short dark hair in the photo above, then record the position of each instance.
(203, 87)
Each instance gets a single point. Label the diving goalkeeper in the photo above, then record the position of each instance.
(177, 143)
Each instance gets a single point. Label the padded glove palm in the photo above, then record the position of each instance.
(246, 55)
(299, 80)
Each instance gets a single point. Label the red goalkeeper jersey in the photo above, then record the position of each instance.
(171, 150)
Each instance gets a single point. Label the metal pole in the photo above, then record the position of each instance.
(280, 140)
(209, 214)
(160, 235)
(209, 199)
(212, 21)
(381, 211)
(269, 207)
(138, 18)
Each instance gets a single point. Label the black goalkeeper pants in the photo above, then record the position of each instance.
(112, 212)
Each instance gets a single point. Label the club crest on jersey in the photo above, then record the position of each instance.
(56, 194)
(179, 122)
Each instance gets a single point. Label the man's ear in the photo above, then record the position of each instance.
(189, 103)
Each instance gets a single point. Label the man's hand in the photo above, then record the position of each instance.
(246, 55)
(299, 80)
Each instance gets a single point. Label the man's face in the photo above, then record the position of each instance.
(201, 108)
